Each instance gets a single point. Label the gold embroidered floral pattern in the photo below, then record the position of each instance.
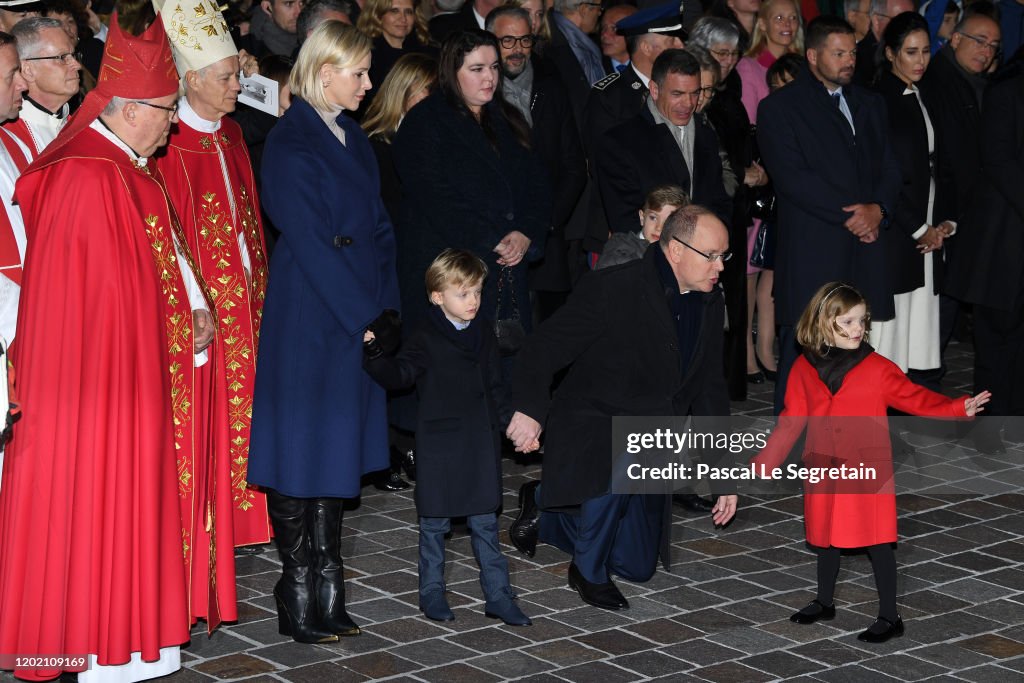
(183, 29)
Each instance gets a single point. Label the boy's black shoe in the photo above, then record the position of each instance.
(815, 611)
(525, 529)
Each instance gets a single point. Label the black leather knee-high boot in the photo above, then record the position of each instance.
(324, 517)
(296, 610)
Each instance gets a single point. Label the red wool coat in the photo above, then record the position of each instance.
(850, 429)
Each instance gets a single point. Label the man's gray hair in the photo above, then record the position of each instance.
(505, 11)
(567, 6)
(28, 33)
(115, 105)
(312, 14)
(706, 61)
(449, 5)
(711, 31)
(878, 7)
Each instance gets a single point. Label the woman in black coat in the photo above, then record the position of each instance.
(397, 29)
(915, 237)
(469, 179)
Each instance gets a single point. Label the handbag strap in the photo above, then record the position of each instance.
(503, 274)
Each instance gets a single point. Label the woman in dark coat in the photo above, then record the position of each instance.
(920, 223)
(319, 422)
(469, 179)
(397, 28)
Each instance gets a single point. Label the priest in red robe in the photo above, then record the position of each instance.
(210, 180)
(112, 312)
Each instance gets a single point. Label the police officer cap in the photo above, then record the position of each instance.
(665, 19)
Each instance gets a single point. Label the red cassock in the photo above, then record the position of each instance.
(850, 429)
(90, 524)
(195, 181)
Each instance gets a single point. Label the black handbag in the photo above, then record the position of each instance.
(508, 329)
(763, 253)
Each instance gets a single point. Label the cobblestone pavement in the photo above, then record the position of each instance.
(720, 615)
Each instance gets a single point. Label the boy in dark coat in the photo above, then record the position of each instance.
(453, 361)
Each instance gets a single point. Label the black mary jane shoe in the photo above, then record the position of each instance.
(882, 630)
(815, 611)
(755, 377)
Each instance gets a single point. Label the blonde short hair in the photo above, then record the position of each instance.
(371, 19)
(454, 268)
(759, 40)
(817, 328)
(334, 43)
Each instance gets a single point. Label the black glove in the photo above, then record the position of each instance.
(372, 350)
(387, 329)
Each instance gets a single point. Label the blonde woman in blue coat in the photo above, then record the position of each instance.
(319, 422)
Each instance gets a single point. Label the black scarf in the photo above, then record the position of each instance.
(836, 363)
(470, 339)
(687, 309)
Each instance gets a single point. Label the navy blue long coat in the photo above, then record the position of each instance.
(319, 421)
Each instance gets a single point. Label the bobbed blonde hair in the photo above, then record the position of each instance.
(454, 268)
(334, 43)
(759, 39)
(373, 10)
(817, 329)
(412, 72)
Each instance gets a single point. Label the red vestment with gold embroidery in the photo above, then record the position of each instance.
(113, 432)
(212, 220)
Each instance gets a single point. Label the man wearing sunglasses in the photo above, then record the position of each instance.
(52, 69)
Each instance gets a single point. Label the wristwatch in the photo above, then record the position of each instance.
(885, 216)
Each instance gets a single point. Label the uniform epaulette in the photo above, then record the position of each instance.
(606, 81)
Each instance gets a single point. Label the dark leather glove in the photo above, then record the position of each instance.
(372, 350)
(387, 328)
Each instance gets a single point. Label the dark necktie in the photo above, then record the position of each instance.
(621, 67)
(836, 99)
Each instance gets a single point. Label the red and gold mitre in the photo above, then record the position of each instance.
(137, 67)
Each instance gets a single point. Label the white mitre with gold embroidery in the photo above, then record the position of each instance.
(198, 33)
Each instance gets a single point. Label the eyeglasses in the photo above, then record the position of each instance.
(711, 258)
(509, 42)
(982, 44)
(708, 92)
(173, 109)
(67, 59)
(722, 54)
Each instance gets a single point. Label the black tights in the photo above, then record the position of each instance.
(883, 561)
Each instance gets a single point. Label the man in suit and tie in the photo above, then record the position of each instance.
(613, 46)
(825, 144)
(664, 144)
(472, 15)
(643, 338)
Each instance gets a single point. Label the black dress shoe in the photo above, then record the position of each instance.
(407, 461)
(815, 611)
(691, 502)
(755, 377)
(524, 530)
(770, 375)
(390, 481)
(882, 630)
(603, 595)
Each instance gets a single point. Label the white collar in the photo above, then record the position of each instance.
(191, 119)
(60, 116)
(910, 89)
(100, 128)
(646, 79)
(476, 15)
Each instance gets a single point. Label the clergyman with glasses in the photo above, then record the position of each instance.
(642, 338)
(664, 144)
(52, 69)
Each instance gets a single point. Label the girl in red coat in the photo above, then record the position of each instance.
(840, 376)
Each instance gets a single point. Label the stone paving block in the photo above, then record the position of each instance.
(234, 666)
(614, 642)
(1014, 632)
(975, 561)
(711, 620)
(377, 563)
(1010, 550)
(536, 580)
(714, 547)
(973, 590)
(781, 664)
(1012, 579)
(488, 640)
(993, 645)
(644, 608)
(664, 631)
(732, 589)
(604, 672)
(246, 565)
(563, 653)
(393, 582)
(950, 626)
(541, 678)
(292, 654)
(757, 539)
(686, 598)
(701, 652)
(248, 612)
(778, 580)
(182, 676)
(1000, 611)
(904, 667)
(510, 665)
(950, 655)
(222, 642)
(371, 612)
(652, 663)
(853, 673)
(935, 572)
(700, 571)
(750, 640)
(562, 598)
(456, 673)
(431, 653)
(262, 584)
(980, 509)
(987, 673)
(784, 556)
(931, 603)
(410, 630)
(731, 672)
(742, 564)
(590, 619)
(376, 665)
(545, 628)
(757, 611)
(830, 652)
